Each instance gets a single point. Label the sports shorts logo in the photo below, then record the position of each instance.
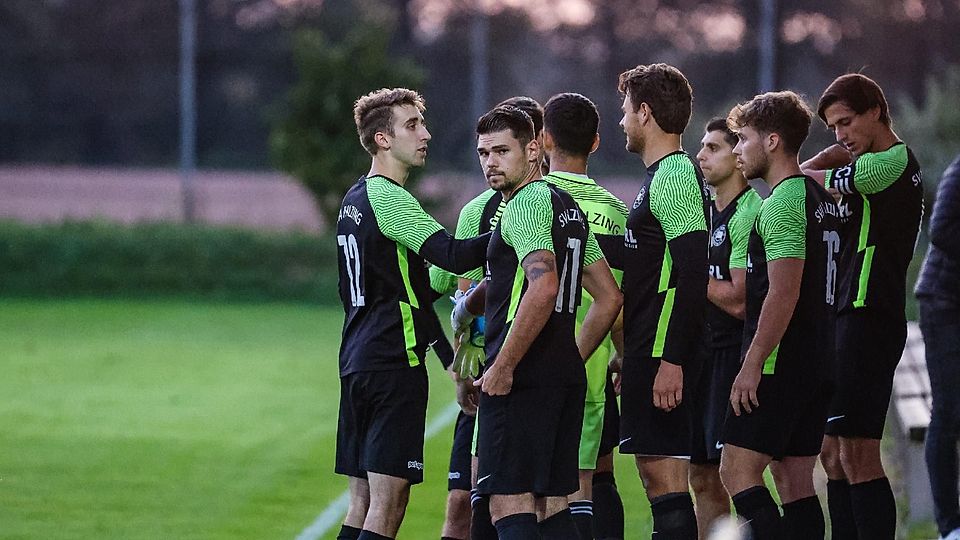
(415, 465)
(640, 196)
(480, 480)
(454, 475)
(719, 235)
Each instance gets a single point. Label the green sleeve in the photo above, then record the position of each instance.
(591, 252)
(468, 225)
(441, 280)
(741, 223)
(677, 203)
(782, 224)
(870, 173)
(527, 221)
(399, 214)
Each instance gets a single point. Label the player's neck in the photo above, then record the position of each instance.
(727, 190)
(659, 145)
(533, 174)
(884, 140)
(384, 165)
(782, 168)
(571, 164)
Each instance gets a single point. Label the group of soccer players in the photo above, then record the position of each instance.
(737, 330)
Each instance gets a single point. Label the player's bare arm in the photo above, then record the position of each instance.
(785, 277)
(540, 269)
(830, 157)
(730, 296)
(607, 301)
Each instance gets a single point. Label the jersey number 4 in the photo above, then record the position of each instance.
(351, 260)
(570, 277)
(832, 239)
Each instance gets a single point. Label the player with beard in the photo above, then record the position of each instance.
(665, 288)
(533, 383)
(780, 395)
(881, 203)
(732, 213)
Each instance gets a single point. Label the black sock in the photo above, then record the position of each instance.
(874, 509)
(607, 508)
(559, 526)
(348, 533)
(517, 527)
(582, 513)
(842, 526)
(367, 535)
(481, 525)
(673, 517)
(757, 507)
(803, 519)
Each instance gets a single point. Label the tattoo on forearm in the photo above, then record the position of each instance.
(537, 265)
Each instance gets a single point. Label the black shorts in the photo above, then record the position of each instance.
(790, 418)
(610, 436)
(460, 458)
(869, 347)
(529, 441)
(644, 429)
(382, 419)
(711, 401)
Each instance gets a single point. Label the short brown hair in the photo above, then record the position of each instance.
(664, 89)
(784, 113)
(859, 92)
(530, 106)
(373, 113)
(504, 117)
(720, 124)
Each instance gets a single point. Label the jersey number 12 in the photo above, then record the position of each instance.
(351, 260)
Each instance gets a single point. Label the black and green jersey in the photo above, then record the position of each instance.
(478, 216)
(539, 216)
(729, 234)
(881, 208)
(665, 262)
(799, 221)
(606, 214)
(384, 237)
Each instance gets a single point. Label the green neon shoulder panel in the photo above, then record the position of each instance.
(399, 214)
(470, 215)
(740, 225)
(872, 172)
(782, 221)
(527, 220)
(676, 199)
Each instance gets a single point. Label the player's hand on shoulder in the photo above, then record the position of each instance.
(743, 394)
(668, 386)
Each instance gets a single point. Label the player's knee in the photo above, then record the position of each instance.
(830, 458)
(458, 506)
(861, 459)
(705, 478)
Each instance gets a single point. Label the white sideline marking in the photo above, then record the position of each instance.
(330, 517)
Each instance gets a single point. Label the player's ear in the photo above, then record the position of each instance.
(382, 140)
(772, 141)
(533, 151)
(874, 113)
(596, 143)
(548, 143)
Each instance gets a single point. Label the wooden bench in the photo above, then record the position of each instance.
(910, 407)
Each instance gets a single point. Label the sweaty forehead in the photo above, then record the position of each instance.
(836, 111)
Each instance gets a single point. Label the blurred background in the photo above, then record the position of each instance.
(168, 168)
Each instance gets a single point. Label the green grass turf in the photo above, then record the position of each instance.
(154, 419)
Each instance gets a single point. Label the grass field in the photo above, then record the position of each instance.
(155, 419)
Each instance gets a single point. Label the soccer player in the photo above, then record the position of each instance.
(533, 384)
(384, 238)
(468, 514)
(570, 135)
(732, 213)
(664, 262)
(879, 182)
(780, 395)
